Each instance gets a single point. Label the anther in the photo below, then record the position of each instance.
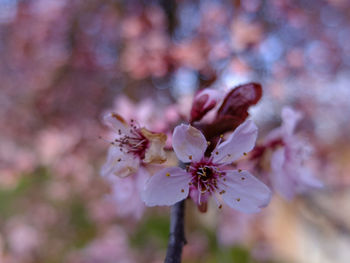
(221, 136)
(190, 157)
(182, 190)
(216, 153)
(167, 174)
(220, 206)
(239, 170)
(208, 142)
(238, 199)
(242, 178)
(245, 154)
(119, 159)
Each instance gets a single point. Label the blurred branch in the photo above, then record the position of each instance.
(321, 212)
(169, 7)
(177, 233)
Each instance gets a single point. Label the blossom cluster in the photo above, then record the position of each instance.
(217, 136)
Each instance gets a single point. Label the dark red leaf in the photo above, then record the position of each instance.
(238, 101)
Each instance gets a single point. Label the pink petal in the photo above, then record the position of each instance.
(289, 175)
(290, 119)
(189, 143)
(126, 194)
(166, 187)
(281, 181)
(116, 122)
(119, 163)
(244, 192)
(242, 140)
(308, 179)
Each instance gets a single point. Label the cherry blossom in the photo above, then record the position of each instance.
(132, 145)
(207, 176)
(289, 172)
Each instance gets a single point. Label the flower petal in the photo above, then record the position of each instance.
(281, 181)
(289, 175)
(166, 187)
(116, 122)
(244, 192)
(290, 119)
(125, 194)
(155, 152)
(308, 179)
(242, 140)
(119, 163)
(189, 143)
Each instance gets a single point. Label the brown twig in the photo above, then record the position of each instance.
(177, 233)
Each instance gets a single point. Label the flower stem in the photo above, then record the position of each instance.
(177, 233)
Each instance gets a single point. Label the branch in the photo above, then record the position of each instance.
(177, 233)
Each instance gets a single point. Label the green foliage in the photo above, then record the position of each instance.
(153, 232)
(29, 185)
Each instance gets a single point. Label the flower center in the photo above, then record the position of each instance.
(204, 176)
(134, 142)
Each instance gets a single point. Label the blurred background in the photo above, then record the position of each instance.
(63, 63)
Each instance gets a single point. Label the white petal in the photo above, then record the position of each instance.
(244, 192)
(116, 122)
(166, 187)
(119, 163)
(189, 143)
(241, 141)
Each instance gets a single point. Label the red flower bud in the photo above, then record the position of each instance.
(203, 102)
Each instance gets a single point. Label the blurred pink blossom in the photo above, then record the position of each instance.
(290, 174)
(110, 247)
(132, 145)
